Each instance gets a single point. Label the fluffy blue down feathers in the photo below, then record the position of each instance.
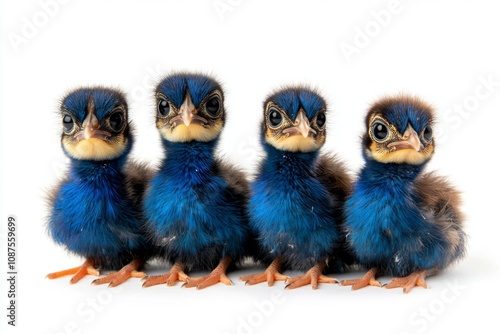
(386, 227)
(387, 223)
(92, 215)
(291, 211)
(194, 215)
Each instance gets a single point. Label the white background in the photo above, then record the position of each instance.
(442, 52)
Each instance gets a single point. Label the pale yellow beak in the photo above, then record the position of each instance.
(187, 110)
(301, 126)
(410, 141)
(90, 126)
(187, 114)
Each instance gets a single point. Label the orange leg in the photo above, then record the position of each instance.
(271, 275)
(117, 278)
(87, 268)
(217, 275)
(409, 282)
(368, 279)
(313, 276)
(176, 274)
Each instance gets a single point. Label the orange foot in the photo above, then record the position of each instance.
(176, 274)
(408, 282)
(313, 277)
(367, 280)
(87, 268)
(271, 275)
(114, 279)
(217, 275)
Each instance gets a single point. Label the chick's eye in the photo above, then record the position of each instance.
(379, 131)
(163, 107)
(320, 119)
(275, 118)
(116, 120)
(427, 134)
(213, 106)
(68, 123)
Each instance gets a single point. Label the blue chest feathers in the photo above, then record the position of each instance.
(386, 224)
(291, 211)
(92, 214)
(190, 209)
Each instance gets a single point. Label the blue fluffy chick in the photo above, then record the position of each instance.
(96, 209)
(401, 221)
(195, 204)
(297, 196)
